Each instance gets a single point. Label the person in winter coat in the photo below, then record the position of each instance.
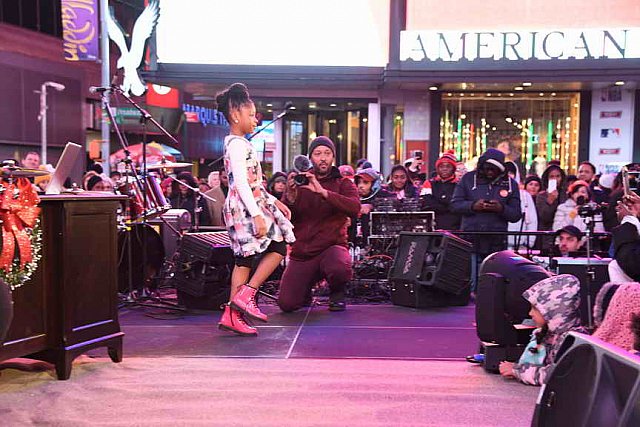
(548, 199)
(626, 237)
(400, 184)
(529, 221)
(555, 303)
(567, 212)
(437, 192)
(488, 200)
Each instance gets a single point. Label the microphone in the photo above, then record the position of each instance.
(287, 108)
(99, 89)
(301, 163)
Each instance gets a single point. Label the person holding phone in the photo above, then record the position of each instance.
(488, 199)
(554, 193)
(626, 236)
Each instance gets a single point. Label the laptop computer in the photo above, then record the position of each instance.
(64, 167)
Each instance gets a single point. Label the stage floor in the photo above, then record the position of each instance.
(380, 331)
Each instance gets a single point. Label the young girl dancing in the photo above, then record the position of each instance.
(257, 222)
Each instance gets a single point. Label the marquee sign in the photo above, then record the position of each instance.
(452, 46)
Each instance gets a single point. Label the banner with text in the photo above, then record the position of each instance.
(80, 31)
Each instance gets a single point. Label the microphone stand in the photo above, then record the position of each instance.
(196, 208)
(145, 117)
(591, 275)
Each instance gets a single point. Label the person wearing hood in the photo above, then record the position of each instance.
(369, 189)
(277, 184)
(553, 193)
(555, 304)
(529, 221)
(437, 192)
(488, 200)
(320, 213)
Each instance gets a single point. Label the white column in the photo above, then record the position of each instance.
(373, 135)
(278, 136)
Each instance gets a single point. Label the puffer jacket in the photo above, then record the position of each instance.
(558, 300)
(474, 186)
(567, 214)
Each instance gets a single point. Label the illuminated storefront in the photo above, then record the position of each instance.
(529, 127)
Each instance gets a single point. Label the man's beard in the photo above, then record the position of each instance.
(317, 169)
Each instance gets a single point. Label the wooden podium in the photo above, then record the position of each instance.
(70, 305)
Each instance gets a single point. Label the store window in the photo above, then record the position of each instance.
(530, 128)
(294, 135)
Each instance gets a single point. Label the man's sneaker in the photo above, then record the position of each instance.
(475, 358)
(337, 306)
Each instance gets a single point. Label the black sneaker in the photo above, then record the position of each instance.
(337, 306)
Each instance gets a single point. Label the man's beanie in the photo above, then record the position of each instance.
(322, 140)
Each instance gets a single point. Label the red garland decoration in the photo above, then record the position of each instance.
(18, 209)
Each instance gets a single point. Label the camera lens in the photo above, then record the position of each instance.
(301, 179)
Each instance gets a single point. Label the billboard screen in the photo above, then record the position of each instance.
(277, 32)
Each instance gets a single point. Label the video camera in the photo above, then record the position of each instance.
(591, 209)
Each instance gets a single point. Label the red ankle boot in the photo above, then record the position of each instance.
(245, 301)
(233, 321)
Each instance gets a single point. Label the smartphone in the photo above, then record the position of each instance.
(417, 154)
(553, 186)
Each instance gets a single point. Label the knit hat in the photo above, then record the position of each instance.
(575, 184)
(448, 157)
(532, 178)
(616, 326)
(322, 140)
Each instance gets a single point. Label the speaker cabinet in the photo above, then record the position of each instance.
(203, 270)
(437, 260)
(593, 384)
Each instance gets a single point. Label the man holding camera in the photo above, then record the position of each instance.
(320, 210)
(626, 236)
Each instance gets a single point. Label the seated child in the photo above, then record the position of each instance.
(616, 327)
(555, 306)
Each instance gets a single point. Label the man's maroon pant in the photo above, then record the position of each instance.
(333, 264)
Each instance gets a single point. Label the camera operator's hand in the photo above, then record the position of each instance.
(314, 185)
(261, 226)
(292, 189)
(365, 208)
(493, 206)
